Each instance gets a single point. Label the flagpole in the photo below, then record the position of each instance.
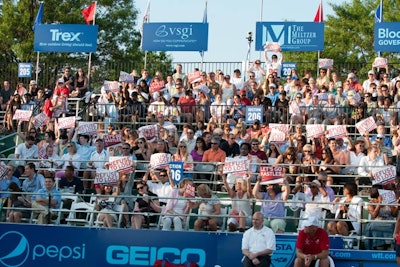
(90, 53)
(320, 20)
(37, 66)
(261, 19)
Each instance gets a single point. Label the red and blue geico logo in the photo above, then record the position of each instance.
(16, 250)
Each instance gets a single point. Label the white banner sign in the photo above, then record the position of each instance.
(272, 46)
(160, 160)
(325, 63)
(106, 177)
(120, 164)
(315, 130)
(87, 128)
(22, 115)
(379, 62)
(126, 77)
(112, 86)
(336, 131)
(149, 131)
(66, 122)
(388, 196)
(40, 119)
(384, 175)
(276, 136)
(366, 125)
(233, 165)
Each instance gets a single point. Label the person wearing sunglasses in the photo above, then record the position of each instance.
(314, 195)
(146, 207)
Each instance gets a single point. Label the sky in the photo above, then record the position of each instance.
(229, 22)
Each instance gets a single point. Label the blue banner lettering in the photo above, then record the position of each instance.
(175, 37)
(65, 38)
(292, 36)
(387, 37)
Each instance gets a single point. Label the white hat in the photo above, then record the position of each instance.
(32, 82)
(61, 80)
(272, 85)
(311, 221)
(351, 76)
(316, 182)
(371, 72)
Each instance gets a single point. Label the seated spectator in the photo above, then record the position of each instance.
(17, 204)
(72, 158)
(7, 180)
(313, 197)
(240, 215)
(348, 210)
(378, 229)
(50, 162)
(188, 105)
(177, 206)
(142, 153)
(209, 205)
(289, 161)
(308, 162)
(97, 160)
(213, 155)
(32, 184)
(341, 157)
(105, 204)
(367, 163)
(231, 147)
(198, 151)
(159, 184)
(43, 201)
(312, 244)
(328, 164)
(146, 207)
(255, 151)
(182, 155)
(218, 110)
(27, 150)
(356, 154)
(273, 208)
(332, 112)
(255, 130)
(69, 180)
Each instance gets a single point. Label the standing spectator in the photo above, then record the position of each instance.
(145, 77)
(14, 104)
(312, 244)
(179, 75)
(218, 110)
(259, 72)
(258, 244)
(68, 79)
(5, 94)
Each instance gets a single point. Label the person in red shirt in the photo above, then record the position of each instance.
(188, 105)
(243, 98)
(312, 244)
(48, 105)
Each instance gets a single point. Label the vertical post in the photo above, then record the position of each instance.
(37, 67)
(261, 19)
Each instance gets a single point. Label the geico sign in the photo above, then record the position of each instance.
(145, 256)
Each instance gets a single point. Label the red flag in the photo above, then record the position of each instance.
(319, 17)
(89, 12)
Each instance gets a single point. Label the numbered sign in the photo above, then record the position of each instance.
(254, 113)
(24, 70)
(287, 68)
(176, 169)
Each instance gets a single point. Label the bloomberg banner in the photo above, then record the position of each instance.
(65, 38)
(175, 37)
(292, 36)
(387, 37)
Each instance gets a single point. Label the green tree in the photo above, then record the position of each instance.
(118, 41)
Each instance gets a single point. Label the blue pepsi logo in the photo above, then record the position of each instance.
(15, 249)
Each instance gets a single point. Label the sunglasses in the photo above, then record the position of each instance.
(306, 151)
(140, 187)
(125, 148)
(182, 146)
(140, 142)
(163, 175)
(214, 143)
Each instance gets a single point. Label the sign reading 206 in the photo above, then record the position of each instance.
(254, 113)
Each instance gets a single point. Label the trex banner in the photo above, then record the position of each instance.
(387, 37)
(175, 37)
(65, 38)
(291, 36)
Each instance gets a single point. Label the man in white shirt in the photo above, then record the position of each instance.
(371, 79)
(258, 243)
(27, 150)
(97, 160)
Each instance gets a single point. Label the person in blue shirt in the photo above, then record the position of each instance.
(41, 204)
(7, 180)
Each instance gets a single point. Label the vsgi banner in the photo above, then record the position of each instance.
(292, 36)
(65, 38)
(387, 37)
(175, 37)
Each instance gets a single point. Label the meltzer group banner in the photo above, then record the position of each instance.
(65, 38)
(292, 36)
(175, 37)
(387, 37)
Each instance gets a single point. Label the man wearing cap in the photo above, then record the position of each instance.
(258, 243)
(371, 79)
(259, 72)
(353, 83)
(273, 94)
(312, 244)
(281, 108)
(237, 80)
(274, 65)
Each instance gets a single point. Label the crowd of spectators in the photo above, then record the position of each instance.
(202, 123)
